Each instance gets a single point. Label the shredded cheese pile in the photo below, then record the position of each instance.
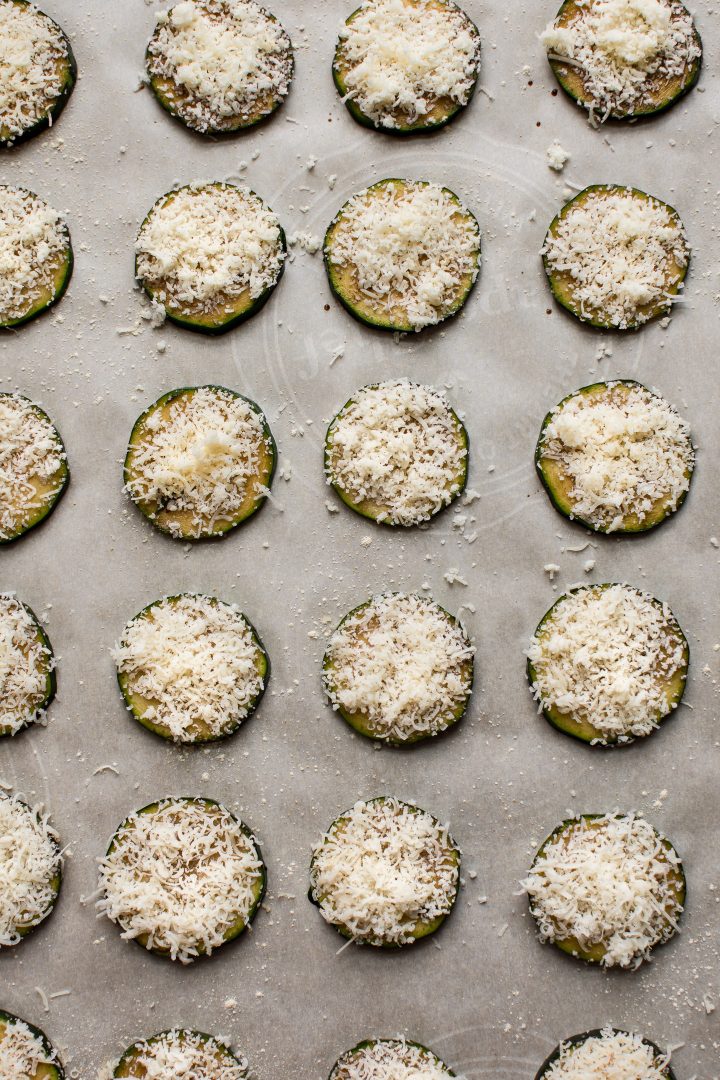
(400, 58)
(382, 869)
(607, 655)
(409, 245)
(389, 1059)
(180, 878)
(620, 252)
(606, 881)
(24, 664)
(29, 861)
(33, 242)
(184, 1055)
(202, 247)
(24, 1055)
(625, 452)
(32, 52)
(611, 1055)
(31, 463)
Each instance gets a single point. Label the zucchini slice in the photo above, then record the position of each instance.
(37, 71)
(27, 1051)
(406, 849)
(202, 873)
(34, 469)
(399, 669)
(200, 461)
(616, 257)
(377, 1059)
(36, 257)
(402, 255)
(191, 668)
(579, 906)
(615, 457)
(590, 1056)
(397, 453)
(27, 667)
(611, 59)
(423, 80)
(210, 255)
(30, 870)
(188, 1053)
(607, 664)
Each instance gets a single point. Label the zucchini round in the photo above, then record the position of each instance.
(590, 457)
(407, 849)
(402, 255)
(376, 1059)
(210, 255)
(399, 669)
(176, 846)
(429, 74)
(34, 469)
(397, 453)
(588, 1056)
(36, 256)
(27, 667)
(37, 71)
(191, 668)
(200, 461)
(219, 67)
(28, 1051)
(28, 892)
(192, 1053)
(601, 244)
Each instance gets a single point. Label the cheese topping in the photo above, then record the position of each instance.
(407, 245)
(24, 1053)
(403, 664)
(182, 1055)
(383, 871)
(181, 877)
(610, 881)
(25, 662)
(389, 1059)
(227, 62)
(33, 244)
(192, 662)
(400, 448)
(30, 865)
(608, 655)
(611, 1055)
(202, 248)
(621, 253)
(32, 464)
(33, 59)
(400, 58)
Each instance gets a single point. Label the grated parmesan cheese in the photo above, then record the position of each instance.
(389, 1059)
(179, 1054)
(608, 1055)
(34, 60)
(25, 1053)
(34, 245)
(25, 664)
(33, 464)
(30, 869)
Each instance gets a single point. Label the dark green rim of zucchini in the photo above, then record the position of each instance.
(55, 885)
(367, 1043)
(54, 1071)
(63, 475)
(50, 676)
(197, 740)
(61, 279)
(136, 1049)
(578, 1040)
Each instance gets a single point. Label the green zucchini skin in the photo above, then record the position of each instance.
(54, 1071)
(578, 1040)
(44, 511)
(50, 680)
(349, 1054)
(128, 1058)
(55, 885)
(62, 276)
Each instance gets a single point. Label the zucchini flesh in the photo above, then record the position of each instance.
(406, 1051)
(54, 882)
(25, 510)
(578, 1040)
(36, 704)
(14, 1028)
(133, 1062)
(57, 271)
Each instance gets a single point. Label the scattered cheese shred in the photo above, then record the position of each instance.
(182, 1055)
(389, 1059)
(34, 243)
(25, 665)
(30, 865)
(32, 464)
(608, 1055)
(25, 1053)
(33, 66)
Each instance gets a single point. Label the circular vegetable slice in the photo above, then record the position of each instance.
(34, 470)
(615, 457)
(27, 667)
(191, 668)
(210, 255)
(200, 461)
(408, 66)
(608, 663)
(180, 1052)
(606, 888)
(37, 71)
(403, 254)
(36, 257)
(219, 65)
(182, 876)
(30, 869)
(399, 669)
(386, 873)
(26, 1053)
(624, 58)
(592, 1054)
(377, 1059)
(616, 257)
(397, 453)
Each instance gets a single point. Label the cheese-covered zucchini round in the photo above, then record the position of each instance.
(406, 65)
(33, 466)
(382, 1059)
(606, 888)
(183, 1054)
(37, 71)
(210, 255)
(219, 65)
(616, 257)
(200, 461)
(191, 668)
(386, 873)
(181, 877)
(403, 254)
(399, 669)
(615, 457)
(608, 663)
(624, 58)
(397, 453)
(27, 667)
(36, 257)
(603, 1054)
(30, 869)
(26, 1053)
